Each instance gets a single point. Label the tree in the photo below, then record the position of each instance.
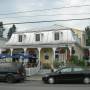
(86, 54)
(1, 29)
(1, 24)
(11, 31)
(87, 31)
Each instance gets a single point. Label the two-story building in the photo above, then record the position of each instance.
(48, 44)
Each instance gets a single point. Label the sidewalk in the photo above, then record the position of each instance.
(39, 75)
(34, 77)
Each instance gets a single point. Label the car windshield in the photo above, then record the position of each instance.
(58, 70)
(67, 69)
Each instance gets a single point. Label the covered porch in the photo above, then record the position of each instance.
(44, 55)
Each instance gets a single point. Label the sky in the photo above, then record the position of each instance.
(10, 6)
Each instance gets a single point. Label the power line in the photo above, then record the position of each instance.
(45, 15)
(74, 19)
(45, 9)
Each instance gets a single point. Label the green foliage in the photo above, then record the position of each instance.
(1, 29)
(81, 63)
(46, 66)
(1, 24)
(76, 61)
(87, 31)
(86, 54)
(11, 31)
(57, 64)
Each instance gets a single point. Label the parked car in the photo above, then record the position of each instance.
(68, 74)
(12, 72)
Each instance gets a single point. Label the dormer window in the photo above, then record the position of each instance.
(37, 37)
(61, 35)
(56, 36)
(21, 38)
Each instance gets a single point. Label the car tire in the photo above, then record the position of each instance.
(10, 79)
(86, 80)
(51, 80)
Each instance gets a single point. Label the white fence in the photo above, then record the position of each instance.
(32, 70)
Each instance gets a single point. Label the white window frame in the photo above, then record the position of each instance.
(41, 37)
(60, 35)
(23, 37)
(36, 38)
(55, 37)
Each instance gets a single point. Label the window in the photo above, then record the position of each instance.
(20, 38)
(77, 69)
(66, 70)
(56, 36)
(42, 36)
(57, 54)
(46, 55)
(61, 34)
(37, 37)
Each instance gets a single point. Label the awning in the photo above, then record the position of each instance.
(19, 55)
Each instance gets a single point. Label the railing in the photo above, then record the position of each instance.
(32, 70)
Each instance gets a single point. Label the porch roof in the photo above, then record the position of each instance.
(48, 45)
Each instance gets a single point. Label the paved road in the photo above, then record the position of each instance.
(38, 85)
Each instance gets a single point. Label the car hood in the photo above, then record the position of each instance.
(50, 74)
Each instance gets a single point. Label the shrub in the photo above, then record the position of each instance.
(57, 64)
(46, 66)
(81, 63)
(74, 59)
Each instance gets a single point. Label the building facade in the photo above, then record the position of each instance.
(48, 45)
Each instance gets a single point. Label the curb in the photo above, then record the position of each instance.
(33, 78)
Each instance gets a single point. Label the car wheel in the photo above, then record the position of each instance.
(10, 79)
(86, 80)
(51, 80)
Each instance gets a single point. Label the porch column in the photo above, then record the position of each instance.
(70, 48)
(54, 49)
(39, 49)
(0, 50)
(11, 51)
(53, 58)
(25, 51)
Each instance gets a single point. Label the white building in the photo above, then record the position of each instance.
(48, 44)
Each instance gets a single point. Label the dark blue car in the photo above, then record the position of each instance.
(12, 72)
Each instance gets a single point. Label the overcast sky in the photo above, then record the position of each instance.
(10, 6)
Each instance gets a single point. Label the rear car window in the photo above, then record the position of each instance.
(78, 69)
